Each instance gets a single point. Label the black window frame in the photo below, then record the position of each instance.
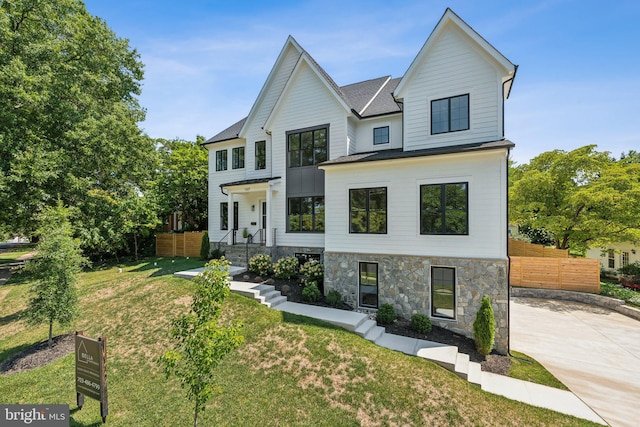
(315, 216)
(221, 160)
(237, 157)
(261, 155)
(434, 308)
(224, 215)
(312, 154)
(367, 210)
(379, 129)
(449, 118)
(360, 284)
(445, 210)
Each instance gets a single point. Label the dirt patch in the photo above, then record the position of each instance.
(495, 363)
(39, 355)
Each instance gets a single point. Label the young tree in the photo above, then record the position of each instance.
(484, 327)
(583, 198)
(200, 342)
(55, 267)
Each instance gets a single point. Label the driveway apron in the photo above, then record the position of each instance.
(592, 350)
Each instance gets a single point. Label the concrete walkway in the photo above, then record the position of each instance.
(594, 351)
(444, 355)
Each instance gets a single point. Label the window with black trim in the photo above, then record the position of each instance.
(237, 158)
(224, 216)
(381, 135)
(368, 210)
(444, 208)
(261, 155)
(307, 148)
(221, 160)
(443, 292)
(368, 284)
(450, 114)
(305, 214)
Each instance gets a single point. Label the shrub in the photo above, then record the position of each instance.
(334, 298)
(386, 314)
(313, 272)
(217, 254)
(311, 293)
(421, 323)
(632, 270)
(261, 264)
(205, 246)
(286, 268)
(484, 327)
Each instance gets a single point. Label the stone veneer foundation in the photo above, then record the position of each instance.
(404, 282)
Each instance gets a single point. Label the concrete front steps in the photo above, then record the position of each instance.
(444, 355)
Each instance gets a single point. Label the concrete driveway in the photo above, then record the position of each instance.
(592, 350)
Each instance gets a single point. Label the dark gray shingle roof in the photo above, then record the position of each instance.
(229, 133)
(359, 94)
(384, 103)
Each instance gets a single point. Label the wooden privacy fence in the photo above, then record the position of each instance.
(520, 248)
(567, 274)
(179, 244)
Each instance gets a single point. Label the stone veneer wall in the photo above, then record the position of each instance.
(404, 282)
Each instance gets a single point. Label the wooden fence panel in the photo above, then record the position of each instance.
(524, 249)
(179, 244)
(570, 274)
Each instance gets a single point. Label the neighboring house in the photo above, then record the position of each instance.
(172, 222)
(615, 256)
(399, 185)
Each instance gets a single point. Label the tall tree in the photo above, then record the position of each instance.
(583, 198)
(54, 268)
(68, 111)
(182, 181)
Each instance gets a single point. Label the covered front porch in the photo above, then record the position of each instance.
(248, 212)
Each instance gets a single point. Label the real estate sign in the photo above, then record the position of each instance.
(91, 372)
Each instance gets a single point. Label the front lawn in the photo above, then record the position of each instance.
(614, 290)
(291, 371)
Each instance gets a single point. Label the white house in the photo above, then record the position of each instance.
(398, 184)
(616, 255)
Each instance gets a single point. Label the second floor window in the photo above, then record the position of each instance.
(261, 155)
(221, 160)
(237, 158)
(450, 114)
(368, 210)
(307, 148)
(381, 135)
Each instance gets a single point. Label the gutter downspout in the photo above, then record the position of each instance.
(508, 264)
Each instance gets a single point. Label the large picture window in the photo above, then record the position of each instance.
(450, 114)
(261, 155)
(306, 214)
(307, 148)
(237, 158)
(368, 210)
(368, 285)
(221, 160)
(443, 292)
(444, 209)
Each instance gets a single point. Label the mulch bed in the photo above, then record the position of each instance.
(494, 362)
(39, 355)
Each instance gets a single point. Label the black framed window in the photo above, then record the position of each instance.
(224, 216)
(450, 114)
(368, 210)
(444, 208)
(307, 148)
(221, 160)
(443, 292)
(237, 158)
(381, 135)
(261, 155)
(368, 284)
(305, 214)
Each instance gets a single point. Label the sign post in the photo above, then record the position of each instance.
(91, 371)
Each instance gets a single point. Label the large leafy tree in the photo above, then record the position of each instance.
(182, 181)
(583, 198)
(68, 114)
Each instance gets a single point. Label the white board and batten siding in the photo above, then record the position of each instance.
(453, 66)
(486, 174)
(305, 103)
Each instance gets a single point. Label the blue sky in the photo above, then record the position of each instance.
(578, 80)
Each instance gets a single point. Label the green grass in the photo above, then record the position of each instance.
(12, 254)
(291, 370)
(526, 368)
(614, 290)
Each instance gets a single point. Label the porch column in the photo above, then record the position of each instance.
(269, 231)
(230, 222)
